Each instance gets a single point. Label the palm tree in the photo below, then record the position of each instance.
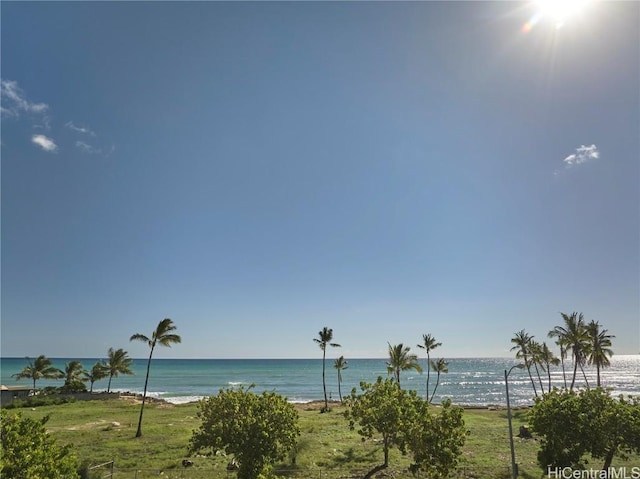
(340, 364)
(439, 366)
(99, 371)
(574, 336)
(428, 344)
(164, 337)
(401, 360)
(73, 374)
(324, 338)
(600, 349)
(118, 362)
(547, 359)
(561, 342)
(522, 341)
(41, 368)
(535, 350)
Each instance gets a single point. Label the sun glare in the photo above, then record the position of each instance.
(558, 12)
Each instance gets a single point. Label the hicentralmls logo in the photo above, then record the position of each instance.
(610, 473)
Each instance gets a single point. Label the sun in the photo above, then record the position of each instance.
(560, 11)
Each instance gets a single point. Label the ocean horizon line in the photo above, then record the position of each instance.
(506, 358)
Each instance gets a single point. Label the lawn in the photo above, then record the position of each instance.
(102, 431)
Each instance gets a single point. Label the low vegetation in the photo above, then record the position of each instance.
(101, 431)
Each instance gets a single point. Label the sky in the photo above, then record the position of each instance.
(258, 171)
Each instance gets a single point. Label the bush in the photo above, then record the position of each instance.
(28, 452)
(257, 429)
(575, 425)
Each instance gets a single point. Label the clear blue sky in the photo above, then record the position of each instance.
(256, 171)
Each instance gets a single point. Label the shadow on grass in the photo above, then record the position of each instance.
(350, 456)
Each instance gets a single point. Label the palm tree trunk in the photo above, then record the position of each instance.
(564, 374)
(575, 372)
(144, 395)
(435, 388)
(598, 374)
(584, 376)
(428, 371)
(539, 379)
(533, 384)
(324, 384)
(109, 384)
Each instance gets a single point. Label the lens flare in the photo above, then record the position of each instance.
(556, 11)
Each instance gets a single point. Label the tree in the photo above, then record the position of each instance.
(436, 440)
(429, 343)
(522, 341)
(405, 421)
(600, 347)
(41, 368)
(163, 336)
(573, 336)
(74, 377)
(574, 426)
(400, 359)
(439, 366)
(324, 338)
(118, 362)
(29, 452)
(340, 364)
(99, 371)
(548, 359)
(562, 344)
(258, 430)
(535, 350)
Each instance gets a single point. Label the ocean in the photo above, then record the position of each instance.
(469, 382)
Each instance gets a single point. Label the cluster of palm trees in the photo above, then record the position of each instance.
(117, 362)
(74, 374)
(588, 343)
(400, 359)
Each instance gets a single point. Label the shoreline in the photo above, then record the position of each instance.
(311, 405)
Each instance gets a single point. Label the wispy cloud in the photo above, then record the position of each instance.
(14, 101)
(582, 154)
(87, 148)
(79, 129)
(14, 105)
(44, 142)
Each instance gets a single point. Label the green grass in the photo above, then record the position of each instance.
(327, 449)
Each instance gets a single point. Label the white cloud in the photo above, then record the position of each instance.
(582, 154)
(16, 102)
(46, 143)
(79, 129)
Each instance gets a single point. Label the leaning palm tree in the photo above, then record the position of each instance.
(41, 368)
(340, 364)
(439, 366)
(600, 349)
(429, 343)
(401, 360)
(547, 359)
(118, 362)
(522, 341)
(535, 350)
(324, 338)
(99, 371)
(163, 336)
